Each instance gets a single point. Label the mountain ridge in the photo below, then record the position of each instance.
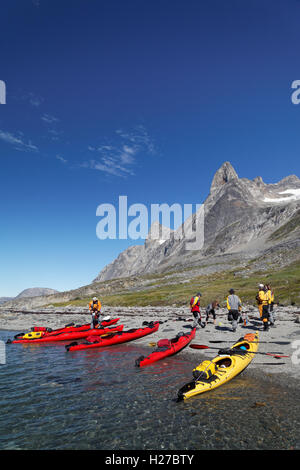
(30, 292)
(251, 228)
(240, 215)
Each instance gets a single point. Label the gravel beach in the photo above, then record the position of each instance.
(175, 319)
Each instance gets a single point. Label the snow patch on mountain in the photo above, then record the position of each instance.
(294, 195)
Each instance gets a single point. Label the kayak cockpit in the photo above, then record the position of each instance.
(223, 363)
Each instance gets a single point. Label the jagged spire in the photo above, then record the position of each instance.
(224, 174)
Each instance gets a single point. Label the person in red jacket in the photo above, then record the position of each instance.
(195, 309)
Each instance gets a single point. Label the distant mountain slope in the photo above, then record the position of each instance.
(35, 292)
(5, 299)
(28, 293)
(242, 217)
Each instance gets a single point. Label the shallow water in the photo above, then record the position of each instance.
(52, 399)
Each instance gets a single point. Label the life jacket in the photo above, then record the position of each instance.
(93, 339)
(270, 296)
(195, 303)
(39, 328)
(95, 306)
(249, 337)
(262, 298)
(163, 343)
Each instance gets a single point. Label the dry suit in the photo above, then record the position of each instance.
(263, 307)
(95, 309)
(234, 306)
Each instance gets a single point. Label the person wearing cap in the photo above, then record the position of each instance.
(95, 309)
(195, 309)
(234, 307)
(262, 299)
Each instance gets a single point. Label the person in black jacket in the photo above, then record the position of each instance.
(211, 310)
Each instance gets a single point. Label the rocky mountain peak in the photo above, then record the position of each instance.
(240, 216)
(258, 180)
(159, 233)
(290, 180)
(222, 176)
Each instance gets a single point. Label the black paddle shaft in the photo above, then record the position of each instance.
(229, 351)
(282, 343)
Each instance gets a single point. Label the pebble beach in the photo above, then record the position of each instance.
(176, 319)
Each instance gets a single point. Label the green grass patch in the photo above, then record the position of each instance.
(287, 228)
(285, 282)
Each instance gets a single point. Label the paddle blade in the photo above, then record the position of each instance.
(198, 346)
(277, 356)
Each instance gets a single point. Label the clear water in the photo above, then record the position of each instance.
(51, 399)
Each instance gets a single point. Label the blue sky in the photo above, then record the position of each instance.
(139, 98)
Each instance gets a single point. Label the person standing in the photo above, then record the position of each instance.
(271, 299)
(95, 309)
(211, 310)
(195, 309)
(262, 299)
(234, 306)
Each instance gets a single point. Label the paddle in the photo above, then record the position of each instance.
(269, 363)
(263, 342)
(203, 346)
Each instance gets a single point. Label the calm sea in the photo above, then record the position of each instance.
(52, 399)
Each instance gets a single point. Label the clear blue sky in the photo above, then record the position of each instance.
(139, 98)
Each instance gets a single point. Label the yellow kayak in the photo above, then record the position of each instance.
(228, 364)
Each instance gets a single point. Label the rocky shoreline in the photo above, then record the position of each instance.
(175, 319)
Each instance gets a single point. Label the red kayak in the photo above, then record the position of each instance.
(167, 347)
(70, 336)
(72, 328)
(117, 338)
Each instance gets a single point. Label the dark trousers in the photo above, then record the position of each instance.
(265, 313)
(233, 316)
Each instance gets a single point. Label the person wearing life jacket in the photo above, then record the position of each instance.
(211, 310)
(95, 309)
(271, 298)
(234, 307)
(195, 309)
(262, 299)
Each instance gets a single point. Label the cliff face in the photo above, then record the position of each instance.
(241, 217)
